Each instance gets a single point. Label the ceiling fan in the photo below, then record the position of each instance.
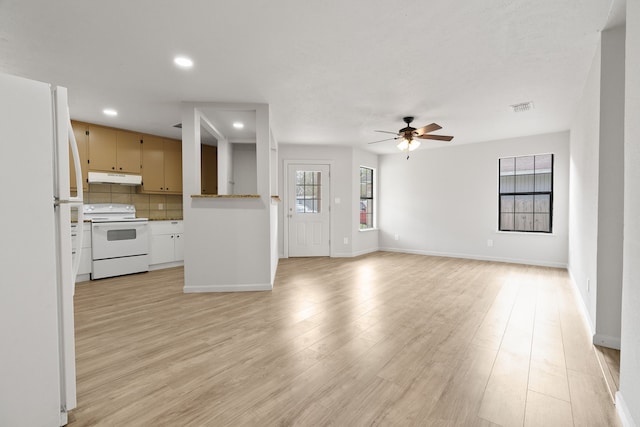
(409, 136)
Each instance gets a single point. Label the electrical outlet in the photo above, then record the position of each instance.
(490, 243)
(346, 240)
(160, 206)
(396, 237)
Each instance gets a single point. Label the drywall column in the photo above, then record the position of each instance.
(227, 240)
(628, 398)
(610, 189)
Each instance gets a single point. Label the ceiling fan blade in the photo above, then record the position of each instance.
(436, 137)
(386, 131)
(427, 129)
(382, 140)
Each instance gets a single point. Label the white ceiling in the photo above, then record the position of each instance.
(332, 71)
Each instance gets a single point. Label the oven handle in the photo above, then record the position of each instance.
(119, 225)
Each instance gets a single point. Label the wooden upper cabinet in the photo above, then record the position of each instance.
(80, 131)
(209, 169)
(161, 165)
(102, 149)
(152, 164)
(113, 150)
(128, 152)
(173, 166)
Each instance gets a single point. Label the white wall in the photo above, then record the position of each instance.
(628, 398)
(444, 201)
(341, 175)
(611, 189)
(583, 215)
(596, 190)
(228, 241)
(363, 241)
(245, 180)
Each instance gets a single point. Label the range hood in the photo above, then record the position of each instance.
(114, 178)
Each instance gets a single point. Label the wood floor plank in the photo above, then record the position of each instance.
(545, 410)
(381, 339)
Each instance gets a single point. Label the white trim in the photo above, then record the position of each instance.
(164, 265)
(364, 252)
(228, 288)
(476, 257)
(607, 341)
(623, 411)
(83, 277)
(526, 233)
(368, 229)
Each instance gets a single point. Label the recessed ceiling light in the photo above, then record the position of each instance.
(183, 61)
(238, 125)
(110, 112)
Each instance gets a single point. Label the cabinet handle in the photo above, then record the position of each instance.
(177, 236)
(113, 168)
(172, 236)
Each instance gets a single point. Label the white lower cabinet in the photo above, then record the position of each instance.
(167, 242)
(84, 269)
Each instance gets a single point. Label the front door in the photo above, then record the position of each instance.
(308, 212)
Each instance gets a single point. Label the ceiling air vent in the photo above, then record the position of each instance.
(521, 107)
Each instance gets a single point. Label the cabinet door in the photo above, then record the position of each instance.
(173, 166)
(162, 248)
(80, 132)
(179, 247)
(209, 169)
(152, 164)
(128, 151)
(102, 149)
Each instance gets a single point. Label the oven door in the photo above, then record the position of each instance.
(119, 239)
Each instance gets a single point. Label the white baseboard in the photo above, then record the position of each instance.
(166, 265)
(353, 254)
(582, 304)
(83, 278)
(623, 411)
(477, 257)
(227, 288)
(607, 341)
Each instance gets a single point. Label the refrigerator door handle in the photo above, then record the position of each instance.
(77, 201)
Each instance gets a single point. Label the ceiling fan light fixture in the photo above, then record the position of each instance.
(403, 145)
(408, 144)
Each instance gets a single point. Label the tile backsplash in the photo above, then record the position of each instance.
(152, 206)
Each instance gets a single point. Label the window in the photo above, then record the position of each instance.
(366, 198)
(526, 193)
(308, 193)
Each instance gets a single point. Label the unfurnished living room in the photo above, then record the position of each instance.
(320, 213)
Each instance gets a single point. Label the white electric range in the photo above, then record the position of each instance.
(119, 240)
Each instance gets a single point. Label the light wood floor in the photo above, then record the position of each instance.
(382, 339)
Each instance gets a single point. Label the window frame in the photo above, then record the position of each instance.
(527, 193)
(371, 199)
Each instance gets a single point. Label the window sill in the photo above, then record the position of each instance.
(526, 233)
(364, 230)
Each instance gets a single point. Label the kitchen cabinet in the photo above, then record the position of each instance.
(84, 269)
(81, 132)
(114, 150)
(209, 169)
(167, 242)
(161, 165)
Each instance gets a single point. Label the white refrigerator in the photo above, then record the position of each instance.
(37, 275)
